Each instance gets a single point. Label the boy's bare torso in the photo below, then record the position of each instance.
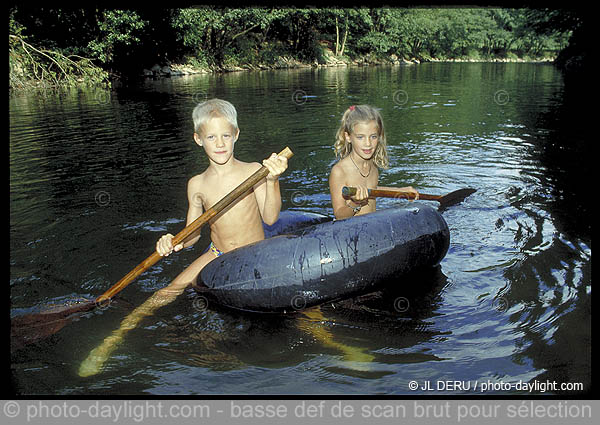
(239, 224)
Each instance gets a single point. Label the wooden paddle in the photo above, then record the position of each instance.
(444, 200)
(31, 327)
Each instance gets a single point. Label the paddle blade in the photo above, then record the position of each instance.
(29, 328)
(455, 197)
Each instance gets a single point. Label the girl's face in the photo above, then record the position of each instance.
(217, 137)
(364, 139)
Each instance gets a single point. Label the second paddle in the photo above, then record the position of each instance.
(448, 199)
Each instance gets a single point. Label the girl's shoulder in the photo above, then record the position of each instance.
(339, 165)
(340, 168)
(343, 162)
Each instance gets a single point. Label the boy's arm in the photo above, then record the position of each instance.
(268, 193)
(195, 208)
(164, 246)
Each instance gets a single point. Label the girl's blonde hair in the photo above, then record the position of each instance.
(353, 115)
(214, 108)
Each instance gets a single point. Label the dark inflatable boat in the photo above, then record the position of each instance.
(308, 259)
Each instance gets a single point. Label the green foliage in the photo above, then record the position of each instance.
(217, 37)
(30, 66)
(118, 29)
(211, 32)
(14, 27)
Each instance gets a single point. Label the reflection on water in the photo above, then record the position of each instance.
(97, 176)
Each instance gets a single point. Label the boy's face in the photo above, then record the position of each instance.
(364, 138)
(217, 137)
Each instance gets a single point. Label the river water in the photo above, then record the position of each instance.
(97, 176)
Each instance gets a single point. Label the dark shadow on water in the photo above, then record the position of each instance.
(566, 153)
(549, 292)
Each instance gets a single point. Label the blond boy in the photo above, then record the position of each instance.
(216, 131)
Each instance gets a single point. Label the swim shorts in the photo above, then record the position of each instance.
(215, 250)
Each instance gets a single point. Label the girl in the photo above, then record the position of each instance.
(361, 145)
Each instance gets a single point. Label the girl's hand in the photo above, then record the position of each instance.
(362, 195)
(412, 190)
(164, 246)
(276, 165)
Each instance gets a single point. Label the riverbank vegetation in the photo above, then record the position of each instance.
(50, 46)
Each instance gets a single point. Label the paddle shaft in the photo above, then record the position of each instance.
(193, 227)
(348, 191)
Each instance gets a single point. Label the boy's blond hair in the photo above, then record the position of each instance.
(214, 108)
(352, 116)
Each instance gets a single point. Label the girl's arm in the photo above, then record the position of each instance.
(343, 208)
